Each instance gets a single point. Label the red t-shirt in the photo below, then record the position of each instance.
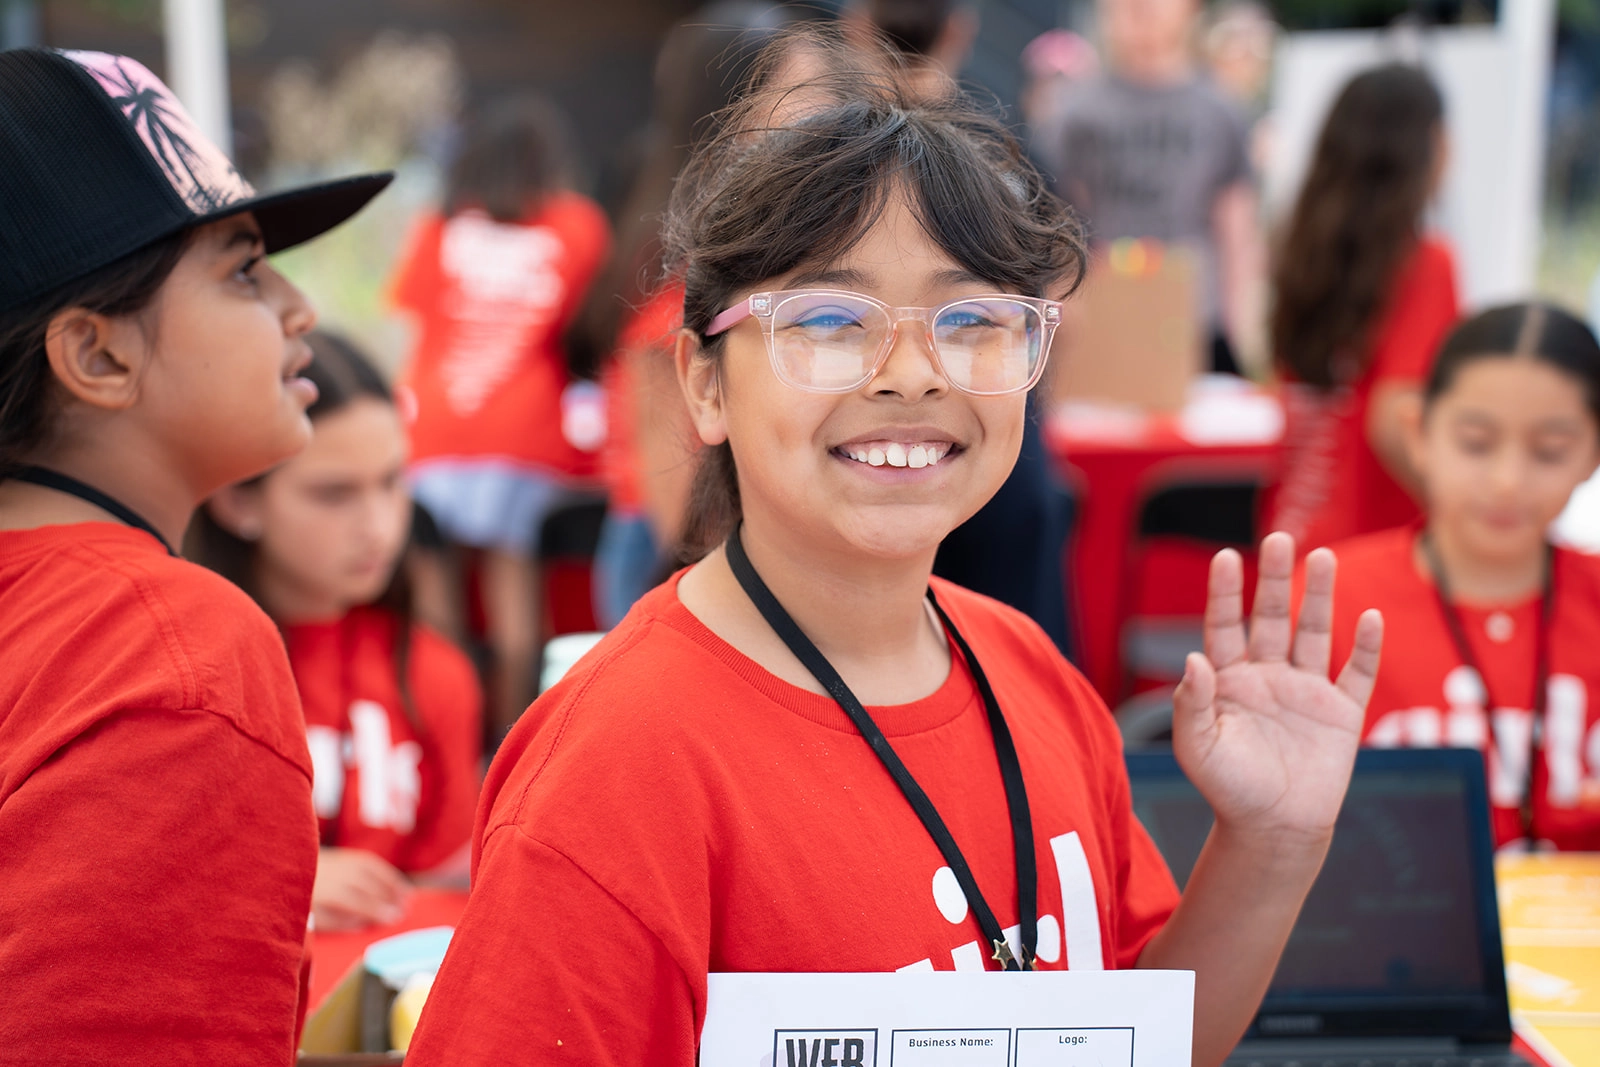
(381, 784)
(671, 808)
(1333, 485)
(647, 334)
(1426, 696)
(157, 844)
(492, 300)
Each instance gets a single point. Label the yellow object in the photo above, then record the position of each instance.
(407, 1010)
(1550, 924)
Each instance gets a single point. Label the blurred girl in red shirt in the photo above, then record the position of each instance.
(633, 313)
(868, 273)
(1492, 630)
(498, 438)
(1363, 299)
(392, 709)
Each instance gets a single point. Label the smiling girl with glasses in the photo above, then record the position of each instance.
(801, 753)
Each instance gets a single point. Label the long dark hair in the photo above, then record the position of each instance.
(511, 156)
(28, 401)
(705, 62)
(1533, 330)
(797, 174)
(342, 375)
(1357, 218)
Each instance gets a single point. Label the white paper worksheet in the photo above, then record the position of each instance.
(950, 1019)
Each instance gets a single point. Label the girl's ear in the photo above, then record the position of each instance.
(237, 509)
(702, 388)
(1413, 420)
(97, 358)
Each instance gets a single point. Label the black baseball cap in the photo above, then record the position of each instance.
(98, 159)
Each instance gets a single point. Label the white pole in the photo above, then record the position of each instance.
(197, 65)
(1529, 29)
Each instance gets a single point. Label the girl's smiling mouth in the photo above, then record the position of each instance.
(896, 453)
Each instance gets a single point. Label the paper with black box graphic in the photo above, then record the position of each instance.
(950, 1019)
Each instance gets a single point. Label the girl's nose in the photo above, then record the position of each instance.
(296, 312)
(912, 368)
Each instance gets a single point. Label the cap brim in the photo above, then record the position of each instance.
(297, 215)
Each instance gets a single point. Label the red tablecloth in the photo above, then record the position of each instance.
(1111, 463)
(332, 955)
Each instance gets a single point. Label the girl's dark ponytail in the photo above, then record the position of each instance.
(714, 508)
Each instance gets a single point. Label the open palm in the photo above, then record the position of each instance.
(1258, 727)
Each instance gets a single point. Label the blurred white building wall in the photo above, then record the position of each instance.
(1495, 81)
(197, 64)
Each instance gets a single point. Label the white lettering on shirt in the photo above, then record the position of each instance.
(1570, 757)
(1082, 943)
(390, 783)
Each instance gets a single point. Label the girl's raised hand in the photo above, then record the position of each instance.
(1257, 726)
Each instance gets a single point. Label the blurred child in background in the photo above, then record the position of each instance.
(1154, 149)
(393, 711)
(492, 280)
(1364, 297)
(634, 311)
(157, 840)
(1493, 630)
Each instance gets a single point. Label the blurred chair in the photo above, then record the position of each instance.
(1182, 523)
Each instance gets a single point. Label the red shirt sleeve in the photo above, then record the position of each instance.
(156, 878)
(1146, 894)
(1424, 309)
(552, 993)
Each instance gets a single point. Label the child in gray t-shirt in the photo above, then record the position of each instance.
(1152, 149)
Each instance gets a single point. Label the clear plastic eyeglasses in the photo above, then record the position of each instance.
(834, 341)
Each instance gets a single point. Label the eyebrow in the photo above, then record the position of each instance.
(846, 277)
(243, 236)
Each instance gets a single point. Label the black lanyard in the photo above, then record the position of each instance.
(1005, 749)
(61, 483)
(1541, 677)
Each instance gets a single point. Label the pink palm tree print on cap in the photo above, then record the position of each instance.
(197, 169)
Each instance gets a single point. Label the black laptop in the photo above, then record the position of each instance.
(1396, 956)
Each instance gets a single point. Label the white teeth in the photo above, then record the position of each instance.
(895, 454)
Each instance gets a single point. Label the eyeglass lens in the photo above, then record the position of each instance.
(831, 341)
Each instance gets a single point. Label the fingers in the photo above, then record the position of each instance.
(1270, 626)
(1313, 635)
(1361, 670)
(1224, 625)
(1194, 701)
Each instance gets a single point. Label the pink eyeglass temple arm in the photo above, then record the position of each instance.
(729, 319)
(759, 304)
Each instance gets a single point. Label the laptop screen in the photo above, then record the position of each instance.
(1400, 932)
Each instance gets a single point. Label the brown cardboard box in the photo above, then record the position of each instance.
(1133, 333)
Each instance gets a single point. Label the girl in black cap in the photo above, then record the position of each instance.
(157, 841)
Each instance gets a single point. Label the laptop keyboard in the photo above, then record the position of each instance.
(1507, 1059)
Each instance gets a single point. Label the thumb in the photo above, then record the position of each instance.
(1194, 710)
